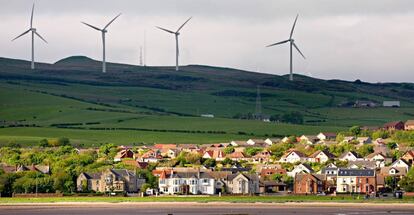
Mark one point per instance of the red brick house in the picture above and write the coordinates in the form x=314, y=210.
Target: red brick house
x=309, y=183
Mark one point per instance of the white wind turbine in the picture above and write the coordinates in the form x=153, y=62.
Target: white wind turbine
x=33, y=31
x=176, y=33
x=292, y=43
x=104, y=31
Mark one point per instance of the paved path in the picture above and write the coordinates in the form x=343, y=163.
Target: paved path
x=205, y=209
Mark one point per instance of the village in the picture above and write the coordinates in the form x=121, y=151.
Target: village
x=364, y=161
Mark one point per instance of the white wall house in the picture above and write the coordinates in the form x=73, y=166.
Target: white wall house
x=292, y=157
x=186, y=183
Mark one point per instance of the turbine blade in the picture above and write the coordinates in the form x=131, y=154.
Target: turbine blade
x=111, y=21
x=299, y=51
x=21, y=34
x=172, y=32
x=183, y=24
x=31, y=18
x=274, y=44
x=40, y=37
x=293, y=27
x=96, y=28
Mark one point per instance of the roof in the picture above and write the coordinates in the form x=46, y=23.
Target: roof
x=330, y=169
x=354, y=153
x=300, y=154
x=326, y=152
x=392, y=124
x=400, y=171
x=363, y=164
x=248, y=176
x=122, y=172
x=236, y=155
x=356, y=172
x=374, y=154
x=92, y=175
x=329, y=134
x=318, y=177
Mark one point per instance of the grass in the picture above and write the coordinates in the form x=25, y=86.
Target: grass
x=204, y=199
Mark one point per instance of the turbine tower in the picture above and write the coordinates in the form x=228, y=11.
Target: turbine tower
x=34, y=32
x=103, y=31
x=176, y=33
x=292, y=44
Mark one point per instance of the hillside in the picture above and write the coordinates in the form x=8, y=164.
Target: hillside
x=144, y=102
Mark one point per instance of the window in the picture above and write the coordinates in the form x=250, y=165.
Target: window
x=162, y=181
x=366, y=180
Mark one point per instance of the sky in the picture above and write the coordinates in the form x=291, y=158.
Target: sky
x=370, y=40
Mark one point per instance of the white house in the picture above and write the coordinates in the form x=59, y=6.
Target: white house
x=400, y=163
x=292, y=156
x=391, y=104
x=309, y=139
x=171, y=182
x=326, y=136
x=364, y=140
x=350, y=156
x=271, y=141
x=320, y=156
x=301, y=168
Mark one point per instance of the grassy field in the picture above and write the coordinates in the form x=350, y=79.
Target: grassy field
x=233, y=199
x=155, y=105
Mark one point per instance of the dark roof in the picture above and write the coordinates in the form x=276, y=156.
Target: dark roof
x=320, y=177
x=356, y=172
x=393, y=124
x=92, y=175
x=324, y=170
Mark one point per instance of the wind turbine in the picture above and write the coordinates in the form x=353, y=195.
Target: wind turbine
x=292, y=44
x=176, y=33
x=104, y=31
x=33, y=31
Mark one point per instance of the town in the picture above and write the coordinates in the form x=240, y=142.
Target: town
x=368, y=161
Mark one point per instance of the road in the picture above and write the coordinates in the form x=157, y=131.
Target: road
x=205, y=209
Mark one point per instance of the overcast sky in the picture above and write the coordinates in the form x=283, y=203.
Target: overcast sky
x=371, y=40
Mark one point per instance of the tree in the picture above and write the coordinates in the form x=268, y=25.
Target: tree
x=145, y=186
x=391, y=145
x=252, y=151
x=277, y=177
x=43, y=143
x=355, y=130
x=380, y=134
x=227, y=161
x=365, y=150
x=340, y=137
x=229, y=150
x=294, y=117
x=63, y=141
x=209, y=163
x=407, y=182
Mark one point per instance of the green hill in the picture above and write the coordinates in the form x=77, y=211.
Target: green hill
x=157, y=104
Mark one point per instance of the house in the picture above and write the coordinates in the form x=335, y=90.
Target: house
x=271, y=141
x=243, y=183
x=292, y=156
x=391, y=104
x=124, y=153
x=396, y=173
x=135, y=163
x=285, y=139
x=364, y=164
x=321, y=156
x=151, y=156
x=326, y=136
x=301, y=168
x=392, y=126
x=309, y=183
x=238, y=143
x=217, y=155
x=308, y=139
x=236, y=156
x=400, y=163
x=262, y=157
x=350, y=156
x=408, y=157
x=364, y=140
x=188, y=182
x=409, y=125
x=256, y=142
x=44, y=169
x=356, y=181
x=378, y=156
x=110, y=180
x=331, y=172
x=267, y=173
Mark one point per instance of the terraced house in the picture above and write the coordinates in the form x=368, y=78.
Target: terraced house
x=356, y=181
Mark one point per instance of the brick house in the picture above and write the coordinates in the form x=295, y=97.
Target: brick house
x=309, y=183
